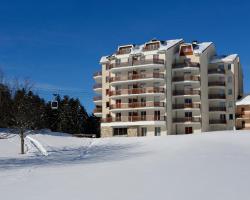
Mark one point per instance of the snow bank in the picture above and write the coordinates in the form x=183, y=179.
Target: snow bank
x=191, y=167
x=38, y=145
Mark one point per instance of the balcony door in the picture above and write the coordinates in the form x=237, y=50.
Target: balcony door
x=188, y=103
x=243, y=124
x=118, y=103
x=133, y=103
x=157, y=115
x=188, y=130
x=188, y=116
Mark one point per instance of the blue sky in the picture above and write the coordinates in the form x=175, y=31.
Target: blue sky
x=58, y=44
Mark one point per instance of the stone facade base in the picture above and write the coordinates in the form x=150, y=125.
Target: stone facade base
x=106, y=131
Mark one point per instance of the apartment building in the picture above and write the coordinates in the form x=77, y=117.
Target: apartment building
x=243, y=113
x=167, y=87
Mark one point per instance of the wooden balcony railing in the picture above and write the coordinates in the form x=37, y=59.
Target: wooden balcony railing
x=186, y=119
x=216, y=96
x=186, y=105
x=217, y=121
x=97, y=74
x=136, y=77
x=186, y=92
x=186, y=78
x=97, y=86
x=243, y=116
x=137, y=105
x=136, y=62
x=97, y=110
x=216, y=83
x=187, y=64
x=137, y=91
x=217, y=108
x=135, y=118
x=216, y=71
x=97, y=98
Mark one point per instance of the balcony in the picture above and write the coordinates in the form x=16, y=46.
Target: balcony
x=217, y=109
x=97, y=110
x=97, y=74
x=137, y=77
x=136, y=62
x=144, y=105
x=185, y=65
x=186, y=78
x=97, y=98
x=216, y=83
x=186, y=92
x=97, y=86
x=216, y=71
x=137, y=91
x=134, y=118
x=216, y=96
x=186, y=106
x=187, y=120
x=243, y=116
x=217, y=121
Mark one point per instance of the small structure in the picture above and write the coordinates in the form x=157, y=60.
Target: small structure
x=243, y=113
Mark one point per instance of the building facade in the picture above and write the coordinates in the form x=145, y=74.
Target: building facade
x=243, y=113
x=167, y=87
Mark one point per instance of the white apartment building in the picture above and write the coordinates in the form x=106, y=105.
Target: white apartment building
x=167, y=87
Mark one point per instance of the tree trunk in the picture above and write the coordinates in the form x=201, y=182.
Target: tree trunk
x=22, y=140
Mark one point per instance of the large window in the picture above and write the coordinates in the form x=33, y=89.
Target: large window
x=143, y=131
x=120, y=131
x=157, y=131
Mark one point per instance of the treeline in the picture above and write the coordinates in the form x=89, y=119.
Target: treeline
x=21, y=108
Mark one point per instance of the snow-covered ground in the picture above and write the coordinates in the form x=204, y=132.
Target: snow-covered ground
x=208, y=166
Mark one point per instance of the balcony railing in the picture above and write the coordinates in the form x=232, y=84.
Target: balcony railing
x=136, y=62
x=97, y=74
x=186, y=105
x=187, y=64
x=217, y=108
x=134, y=118
x=243, y=116
x=137, y=91
x=216, y=96
x=136, y=77
x=186, y=119
x=186, y=92
x=137, y=105
x=216, y=83
x=97, y=86
x=216, y=71
x=217, y=121
x=97, y=98
x=97, y=110
x=186, y=78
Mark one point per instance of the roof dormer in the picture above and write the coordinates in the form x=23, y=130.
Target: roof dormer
x=124, y=49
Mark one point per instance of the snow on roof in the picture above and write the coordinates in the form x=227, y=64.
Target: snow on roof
x=103, y=59
x=201, y=47
x=228, y=58
x=169, y=43
x=244, y=101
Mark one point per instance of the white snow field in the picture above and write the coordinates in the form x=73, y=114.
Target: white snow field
x=207, y=166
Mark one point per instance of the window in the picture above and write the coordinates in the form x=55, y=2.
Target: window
x=118, y=117
x=155, y=56
x=107, y=104
x=188, y=114
x=157, y=115
x=143, y=131
x=229, y=67
x=157, y=131
x=231, y=116
x=118, y=61
x=107, y=92
x=188, y=130
x=188, y=101
x=230, y=91
x=107, y=79
x=229, y=79
x=143, y=115
x=119, y=131
x=230, y=104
